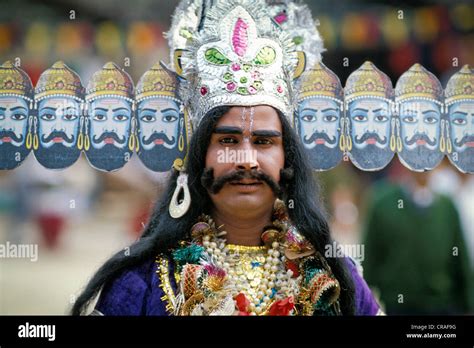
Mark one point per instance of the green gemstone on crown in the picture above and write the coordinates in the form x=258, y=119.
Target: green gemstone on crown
x=213, y=56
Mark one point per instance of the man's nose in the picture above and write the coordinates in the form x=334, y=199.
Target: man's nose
x=246, y=158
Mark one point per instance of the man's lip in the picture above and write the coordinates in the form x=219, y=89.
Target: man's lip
x=246, y=182
x=58, y=140
x=371, y=141
x=109, y=140
x=7, y=139
x=320, y=141
x=470, y=144
x=159, y=141
x=421, y=142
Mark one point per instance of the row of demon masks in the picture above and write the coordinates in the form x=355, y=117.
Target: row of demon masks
x=368, y=120
x=60, y=118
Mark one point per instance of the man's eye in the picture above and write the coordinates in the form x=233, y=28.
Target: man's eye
x=69, y=117
x=330, y=118
x=228, y=141
x=263, y=141
x=100, y=117
x=48, y=117
x=17, y=117
x=308, y=118
x=381, y=118
x=360, y=118
x=169, y=118
x=431, y=120
x=121, y=118
x=148, y=118
x=409, y=119
x=459, y=121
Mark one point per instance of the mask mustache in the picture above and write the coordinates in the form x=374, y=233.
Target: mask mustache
x=108, y=135
x=57, y=134
x=366, y=136
x=319, y=135
x=12, y=135
x=214, y=185
x=419, y=136
x=156, y=136
x=466, y=139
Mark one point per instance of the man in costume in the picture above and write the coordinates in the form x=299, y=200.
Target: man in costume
x=234, y=237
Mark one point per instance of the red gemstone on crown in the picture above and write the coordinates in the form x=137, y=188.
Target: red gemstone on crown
x=59, y=84
x=110, y=85
x=280, y=89
x=419, y=88
x=203, y=90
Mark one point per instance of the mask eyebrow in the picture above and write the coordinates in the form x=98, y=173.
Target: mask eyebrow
x=363, y=110
x=49, y=108
x=100, y=109
x=18, y=108
x=309, y=109
x=266, y=133
x=429, y=111
x=227, y=130
x=119, y=109
x=147, y=109
x=329, y=109
x=460, y=113
x=168, y=110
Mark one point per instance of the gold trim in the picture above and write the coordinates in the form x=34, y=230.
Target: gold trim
x=245, y=248
x=163, y=273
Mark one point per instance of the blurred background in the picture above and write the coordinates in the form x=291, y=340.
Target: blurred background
x=418, y=258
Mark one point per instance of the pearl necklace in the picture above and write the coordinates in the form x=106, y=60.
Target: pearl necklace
x=262, y=278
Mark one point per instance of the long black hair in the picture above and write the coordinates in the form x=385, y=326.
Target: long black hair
x=163, y=232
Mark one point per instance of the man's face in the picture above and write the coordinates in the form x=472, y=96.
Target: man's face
x=110, y=120
x=14, y=113
x=369, y=120
x=420, y=133
x=461, y=119
x=13, y=120
x=245, y=142
x=58, y=122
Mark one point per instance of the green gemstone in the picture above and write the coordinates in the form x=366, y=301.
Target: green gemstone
x=242, y=90
x=213, y=56
x=184, y=32
x=257, y=84
x=265, y=56
x=228, y=76
x=243, y=80
x=298, y=40
x=247, y=67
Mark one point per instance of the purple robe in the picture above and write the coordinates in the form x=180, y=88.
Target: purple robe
x=137, y=292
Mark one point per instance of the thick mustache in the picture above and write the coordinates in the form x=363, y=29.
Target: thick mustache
x=11, y=134
x=156, y=136
x=366, y=136
x=108, y=135
x=214, y=185
x=465, y=139
x=55, y=134
x=419, y=136
x=319, y=135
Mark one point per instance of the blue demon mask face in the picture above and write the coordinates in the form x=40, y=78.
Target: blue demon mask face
x=109, y=132
x=320, y=130
x=420, y=132
x=370, y=130
x=14, y=112
x=461, y=126
x=58, y=131
x=160, y=131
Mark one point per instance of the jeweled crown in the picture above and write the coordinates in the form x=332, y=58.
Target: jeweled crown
x=111, y=80
x=15, y=82
x=368, y=81
x=460, y=86
x=234, y=55
x=59, y=80
x=156, y=82
x=418, y=83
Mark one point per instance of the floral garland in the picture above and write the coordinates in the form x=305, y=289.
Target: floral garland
x=286, y=276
